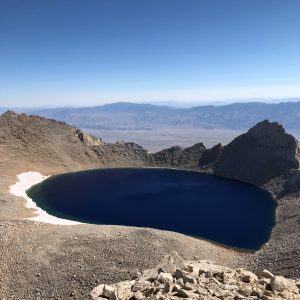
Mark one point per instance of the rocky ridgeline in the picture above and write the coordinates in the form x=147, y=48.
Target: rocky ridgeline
x=199, y=280
x=265, y=152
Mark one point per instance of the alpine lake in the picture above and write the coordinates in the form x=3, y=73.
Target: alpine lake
x=203, y=206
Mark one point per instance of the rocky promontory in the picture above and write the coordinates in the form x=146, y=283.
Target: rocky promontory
x=265, y=152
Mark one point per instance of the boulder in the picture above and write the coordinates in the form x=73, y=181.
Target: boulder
x=103, y=291
x=186, y=294
x=123, y=289
x=168, y=288
x=141, y=285
x=165, y=277
x=88, y=139
x=170, y=262
x=149, y=275
x=280, y=284
x=247, y=276
x=265, y=273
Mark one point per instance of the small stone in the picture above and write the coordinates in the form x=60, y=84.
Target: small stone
x=141, y=286
x=168, y=288
x=182, y=293
x=256, y=294
x=136, y=275
x=179, y=273
x=138, y=295
x=165, y=277
x=288, y=295
x=268, y=287
x=245, y=292
x=230, y=287
x=268, y=293
x=201, y=291
x=149, y=292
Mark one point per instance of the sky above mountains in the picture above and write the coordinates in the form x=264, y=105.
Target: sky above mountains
x=61, y=52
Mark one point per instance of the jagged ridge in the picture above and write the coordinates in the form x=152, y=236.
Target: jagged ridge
x=265, y=152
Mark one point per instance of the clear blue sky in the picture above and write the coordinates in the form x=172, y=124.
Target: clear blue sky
x=86, y=52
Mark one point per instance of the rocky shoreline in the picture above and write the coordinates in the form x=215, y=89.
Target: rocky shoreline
x=43, y=261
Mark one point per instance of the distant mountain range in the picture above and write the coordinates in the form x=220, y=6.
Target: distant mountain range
x=130, y=116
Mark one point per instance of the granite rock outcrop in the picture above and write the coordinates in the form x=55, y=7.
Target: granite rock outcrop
x=199, y=280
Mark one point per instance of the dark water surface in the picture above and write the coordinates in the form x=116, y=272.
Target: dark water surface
x=225, y=211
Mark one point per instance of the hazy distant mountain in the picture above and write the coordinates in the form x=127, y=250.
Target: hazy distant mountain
x=16, y=109
x=129, y=116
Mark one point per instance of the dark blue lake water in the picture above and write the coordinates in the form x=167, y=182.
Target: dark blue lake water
x=225, y=211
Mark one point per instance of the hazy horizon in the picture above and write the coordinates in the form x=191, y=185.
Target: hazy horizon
x=169, y=103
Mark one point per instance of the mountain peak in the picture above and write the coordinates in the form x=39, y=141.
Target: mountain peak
x=267, y=127
x=266, y=151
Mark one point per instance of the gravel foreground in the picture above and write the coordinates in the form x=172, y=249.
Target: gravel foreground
x=199, y=280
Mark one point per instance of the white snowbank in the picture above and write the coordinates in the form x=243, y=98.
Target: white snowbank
x=27, y=180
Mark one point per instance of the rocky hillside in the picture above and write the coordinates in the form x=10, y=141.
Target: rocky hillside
x=199, y=280
x=178, y=157
x=48, y=143
x=263, y=153
x=43, y=141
